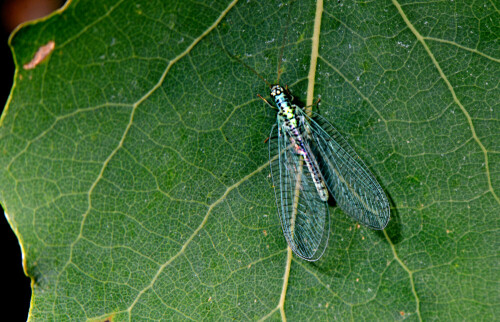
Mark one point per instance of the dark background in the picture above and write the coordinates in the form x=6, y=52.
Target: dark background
x=16, y=290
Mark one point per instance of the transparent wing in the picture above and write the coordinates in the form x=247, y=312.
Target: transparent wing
x=354, y=188
x=304, y=216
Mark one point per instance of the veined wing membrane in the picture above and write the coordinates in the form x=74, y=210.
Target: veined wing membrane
x=304, y=216
x=354, y=188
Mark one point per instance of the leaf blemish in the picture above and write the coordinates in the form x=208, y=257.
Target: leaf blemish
x=40, y=55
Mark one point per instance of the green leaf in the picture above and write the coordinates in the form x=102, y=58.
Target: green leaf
x=134, y=172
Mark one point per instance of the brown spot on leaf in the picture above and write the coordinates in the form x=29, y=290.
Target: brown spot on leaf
x=40, y=55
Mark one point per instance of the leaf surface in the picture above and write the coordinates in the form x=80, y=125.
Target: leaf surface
x=134, y=173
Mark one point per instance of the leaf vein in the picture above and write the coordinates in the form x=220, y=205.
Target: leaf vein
x=422, y=39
